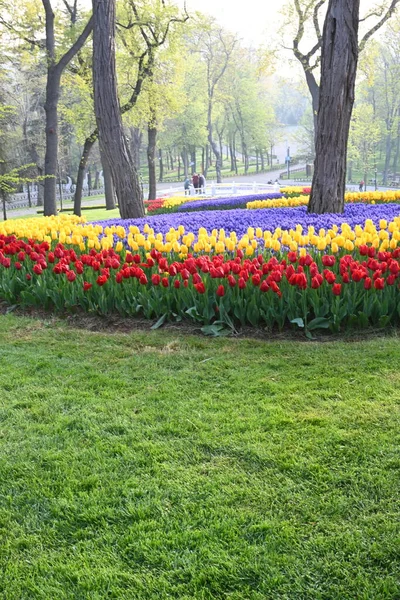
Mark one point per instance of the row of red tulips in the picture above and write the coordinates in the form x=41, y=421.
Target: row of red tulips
x=311, y=290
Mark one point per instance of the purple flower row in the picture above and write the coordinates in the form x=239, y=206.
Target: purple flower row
x=225, y=203
x=241, y=219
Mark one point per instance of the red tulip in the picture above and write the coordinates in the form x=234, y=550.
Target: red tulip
x=155, y=279
x=220, y=291
x=86, y=286
x=336, y=289
x=71, y=276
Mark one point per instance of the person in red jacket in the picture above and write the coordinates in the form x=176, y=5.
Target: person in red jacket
x=195, y=181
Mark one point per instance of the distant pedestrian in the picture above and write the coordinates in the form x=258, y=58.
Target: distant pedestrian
x=186, y=186
x=361, y=186
x=195, y=181
x=202, y=184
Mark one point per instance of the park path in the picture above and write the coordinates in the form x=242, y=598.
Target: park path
x=253, y=178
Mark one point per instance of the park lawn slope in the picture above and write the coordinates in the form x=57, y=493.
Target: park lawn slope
x=157, y=465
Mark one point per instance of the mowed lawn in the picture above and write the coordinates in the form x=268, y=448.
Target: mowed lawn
x=154, y=465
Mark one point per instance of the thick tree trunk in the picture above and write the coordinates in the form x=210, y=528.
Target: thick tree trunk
x=151, y=161
x=179, y=167
x=207, y=165
x=257, y=168
x=171, y=159
x=202, y=160
x=339, y=58
x=51, y=156
x=109, y=189
x=108, y=116
x=262, y=161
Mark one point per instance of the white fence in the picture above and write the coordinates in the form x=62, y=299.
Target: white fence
x=223, y=189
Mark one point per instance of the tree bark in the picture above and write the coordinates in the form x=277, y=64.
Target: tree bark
x=136, y=143
x=338, y=74
x=161, y=164
x=109, y=189
x=108, y=114
x=151, y=160
x=88, y=145
x=51, y=156
x=193, y=159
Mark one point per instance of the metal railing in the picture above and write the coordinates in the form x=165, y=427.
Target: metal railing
x=222, y=189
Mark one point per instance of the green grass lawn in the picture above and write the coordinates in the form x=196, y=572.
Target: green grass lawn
x=154, y=465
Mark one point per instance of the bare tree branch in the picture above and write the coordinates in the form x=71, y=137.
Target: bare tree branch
x=383, y=20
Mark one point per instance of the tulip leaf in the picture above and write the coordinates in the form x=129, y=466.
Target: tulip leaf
x=318, y=323
x=216, y=330
x=160, y=322
x=299, y=321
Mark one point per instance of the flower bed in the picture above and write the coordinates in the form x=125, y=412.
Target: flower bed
x=314, y=271
x=302, y=200
x=309, y=290
x=226, y=203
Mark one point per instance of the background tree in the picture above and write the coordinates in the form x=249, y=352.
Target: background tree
x=108, y=115
x=308, y=15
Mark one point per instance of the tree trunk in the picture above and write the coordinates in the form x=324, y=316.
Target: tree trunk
x=202, y=160
x=88, y=145
x=397, y=153
x=136, y=143
x=339, y=58
x=193, y=159
x=207, y=165
x=350, y=172
x=160, y=160
x=387, y=157
x=54, y=72
x=28, y=189
x=108, y=115
x=232, y=156
x=96, y=178
x=256, y=161
x=262, y=160
x=214, y=146
x=185, y=162
x=171, y=159
x=151, y=161
x=109, y=189
x=179, y=167
x=51, y=156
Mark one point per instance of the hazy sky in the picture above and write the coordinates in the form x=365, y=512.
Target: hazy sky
x=254, y=20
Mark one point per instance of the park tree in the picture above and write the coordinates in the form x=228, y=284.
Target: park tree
x=365, y=134
x=143, y=28
x=215, y=46
x=339, y=57
x=307, y=15
x=54, y=39
x=108, y=115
